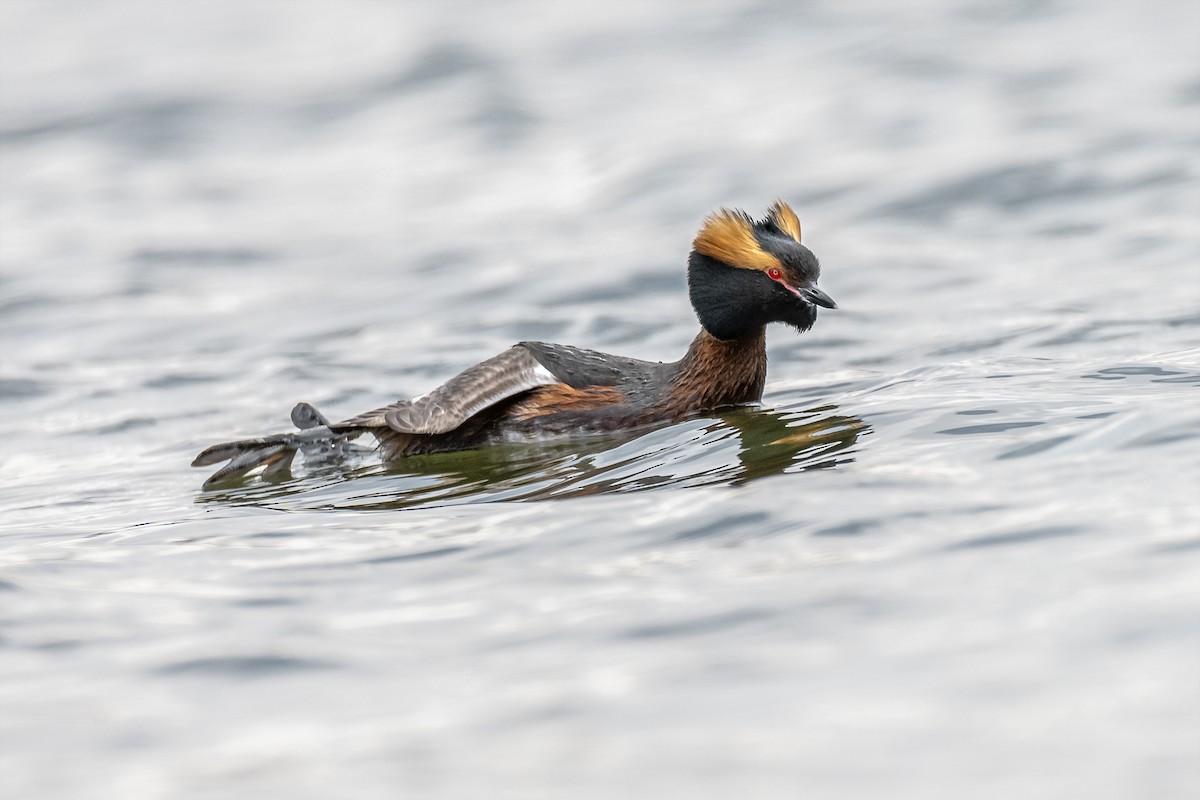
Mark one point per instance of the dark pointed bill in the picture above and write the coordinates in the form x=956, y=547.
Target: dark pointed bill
x=815, y=296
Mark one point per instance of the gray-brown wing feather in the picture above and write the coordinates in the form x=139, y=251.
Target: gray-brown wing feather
x=447, y=407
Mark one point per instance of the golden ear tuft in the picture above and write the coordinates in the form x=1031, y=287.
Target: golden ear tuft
x=728, y=236
x=785, y=219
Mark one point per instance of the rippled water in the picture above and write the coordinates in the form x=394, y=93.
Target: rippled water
x=955, y=553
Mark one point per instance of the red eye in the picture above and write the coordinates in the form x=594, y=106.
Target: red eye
x=774, y=273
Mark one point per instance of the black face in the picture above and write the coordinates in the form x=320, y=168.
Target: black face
x=732, y=302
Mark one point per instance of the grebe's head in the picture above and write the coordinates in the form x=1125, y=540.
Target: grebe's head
x=743, y=274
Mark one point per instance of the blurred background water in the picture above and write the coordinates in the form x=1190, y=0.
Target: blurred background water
x=955, y=554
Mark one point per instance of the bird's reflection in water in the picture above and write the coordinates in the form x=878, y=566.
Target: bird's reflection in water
x=734, y=447
x=773, y=443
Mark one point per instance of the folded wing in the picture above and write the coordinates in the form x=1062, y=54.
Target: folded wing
x=447, y=407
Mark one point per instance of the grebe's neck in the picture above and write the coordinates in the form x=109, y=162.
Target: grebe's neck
x=720, y=372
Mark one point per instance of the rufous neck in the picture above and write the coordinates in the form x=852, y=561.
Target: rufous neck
x=721, y=372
